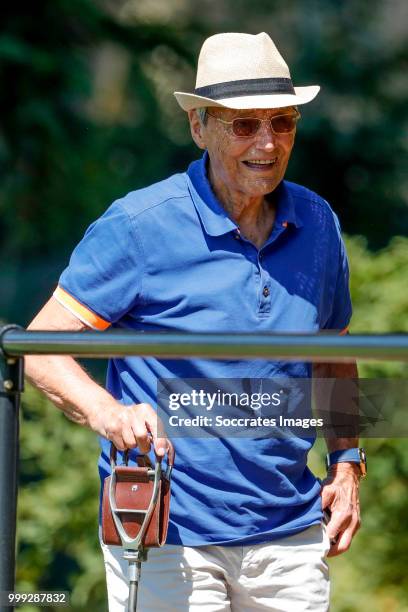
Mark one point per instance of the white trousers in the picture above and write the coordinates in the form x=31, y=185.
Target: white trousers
x=286, y=575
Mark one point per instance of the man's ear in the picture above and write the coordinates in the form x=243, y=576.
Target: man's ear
x=197, y=129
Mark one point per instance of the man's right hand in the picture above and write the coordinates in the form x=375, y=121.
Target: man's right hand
x=84, y=401
x=131, y=426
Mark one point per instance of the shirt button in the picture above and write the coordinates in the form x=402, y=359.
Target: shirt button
x=237, y=236
x=266, y=291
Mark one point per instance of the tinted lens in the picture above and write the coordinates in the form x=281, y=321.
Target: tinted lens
x=283, y=124
x=246, y=127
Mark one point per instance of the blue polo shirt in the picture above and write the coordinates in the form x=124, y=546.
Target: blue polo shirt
x=168, y=258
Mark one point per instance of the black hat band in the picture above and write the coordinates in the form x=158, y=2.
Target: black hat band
x=246, y=87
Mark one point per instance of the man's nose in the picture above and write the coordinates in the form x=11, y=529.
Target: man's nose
x=266, y=138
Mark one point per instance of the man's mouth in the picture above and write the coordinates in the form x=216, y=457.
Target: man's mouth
x=260, y=164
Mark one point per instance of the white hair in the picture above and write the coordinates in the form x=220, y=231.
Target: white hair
x=202, y=114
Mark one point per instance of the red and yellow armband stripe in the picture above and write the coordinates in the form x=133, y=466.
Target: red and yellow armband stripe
x=79, y=310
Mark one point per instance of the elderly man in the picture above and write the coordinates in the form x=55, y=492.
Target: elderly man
x=228, y=246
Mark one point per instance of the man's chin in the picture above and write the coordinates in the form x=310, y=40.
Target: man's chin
x=261, y=187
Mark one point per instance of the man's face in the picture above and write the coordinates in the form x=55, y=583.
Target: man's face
x=233, y=159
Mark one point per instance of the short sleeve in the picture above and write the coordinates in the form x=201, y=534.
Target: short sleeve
x=341, y=307
x=103, y=279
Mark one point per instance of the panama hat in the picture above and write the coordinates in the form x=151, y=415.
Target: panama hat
x=243, y=71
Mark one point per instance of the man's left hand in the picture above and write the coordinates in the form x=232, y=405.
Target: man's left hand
x=340, y=496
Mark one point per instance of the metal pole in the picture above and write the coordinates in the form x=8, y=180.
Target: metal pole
x=306, y=347
x=11, y=385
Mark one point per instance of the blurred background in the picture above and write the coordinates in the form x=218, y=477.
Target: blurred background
x=87, y=114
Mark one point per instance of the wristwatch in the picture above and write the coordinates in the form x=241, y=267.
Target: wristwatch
x=350, y=455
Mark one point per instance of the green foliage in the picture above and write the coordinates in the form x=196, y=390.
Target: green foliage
x=377, y=284
x=380, y=298
x=63, y=156
x=88, y=115
x=58, y=506
x=372, y=575
x=88, y=112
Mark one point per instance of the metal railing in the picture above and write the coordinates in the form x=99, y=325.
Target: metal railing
x=15, y=343
x=316, y=347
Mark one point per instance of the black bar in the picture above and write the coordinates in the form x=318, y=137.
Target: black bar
x=11, y=380
x=246, y=87
x=307, y=347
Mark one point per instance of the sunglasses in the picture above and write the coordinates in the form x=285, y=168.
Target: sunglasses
x=246, y=127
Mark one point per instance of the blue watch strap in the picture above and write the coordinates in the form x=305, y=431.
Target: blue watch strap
x=348, y=454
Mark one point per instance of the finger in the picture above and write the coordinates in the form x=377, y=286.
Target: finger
x=161, y=446
x=143, y=440
x=338, y=523
x=328, y=494
x=342, y=544
x=160, y=440
x=135, y=431
x=355, y=524
x=141, y=434
x=123, y=430
x=117, y=441
x=129, y=438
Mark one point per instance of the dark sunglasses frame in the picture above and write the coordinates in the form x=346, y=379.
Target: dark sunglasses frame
x=258, y=122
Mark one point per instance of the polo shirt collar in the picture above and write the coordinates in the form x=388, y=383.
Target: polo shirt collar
x=213, y=216
x=286, y=206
